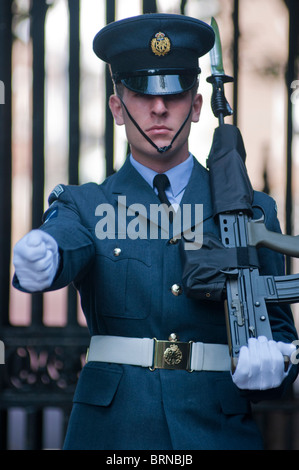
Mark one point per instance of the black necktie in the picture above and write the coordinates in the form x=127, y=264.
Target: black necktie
x=161, y=182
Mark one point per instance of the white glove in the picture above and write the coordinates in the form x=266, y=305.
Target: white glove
x=261, y=364
x=36, y=260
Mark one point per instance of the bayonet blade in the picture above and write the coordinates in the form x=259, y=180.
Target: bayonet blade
x=216, y=52
x=220, y=106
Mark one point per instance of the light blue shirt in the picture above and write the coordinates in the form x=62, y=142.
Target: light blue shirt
x=178, y=177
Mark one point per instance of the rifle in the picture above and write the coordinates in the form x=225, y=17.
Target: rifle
x=235, y=274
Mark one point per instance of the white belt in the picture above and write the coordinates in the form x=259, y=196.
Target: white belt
x=154, y=353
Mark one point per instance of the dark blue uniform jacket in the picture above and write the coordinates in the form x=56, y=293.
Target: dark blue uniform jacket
x=130, y=407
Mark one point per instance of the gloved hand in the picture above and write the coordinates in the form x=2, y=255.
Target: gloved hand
x=36, y=260
x=261, y=364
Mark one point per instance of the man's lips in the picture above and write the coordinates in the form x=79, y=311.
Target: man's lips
x=157, y=130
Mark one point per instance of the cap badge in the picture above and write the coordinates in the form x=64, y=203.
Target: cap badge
x=160, y=44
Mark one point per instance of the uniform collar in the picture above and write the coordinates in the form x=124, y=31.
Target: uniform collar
x=178, y=176
x=129, y=182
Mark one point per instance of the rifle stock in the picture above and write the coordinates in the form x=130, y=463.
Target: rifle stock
x=259, y=235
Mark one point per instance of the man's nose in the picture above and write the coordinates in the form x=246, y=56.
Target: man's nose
x=159, y=105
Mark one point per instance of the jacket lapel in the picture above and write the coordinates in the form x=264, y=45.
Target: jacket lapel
x=129, y=183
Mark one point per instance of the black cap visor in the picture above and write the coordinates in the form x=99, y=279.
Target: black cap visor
x=160, y=84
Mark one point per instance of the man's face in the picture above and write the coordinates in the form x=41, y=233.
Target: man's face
x=160, y=117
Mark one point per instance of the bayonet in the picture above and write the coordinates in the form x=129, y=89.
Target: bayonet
x=216, y=52
x=220, y=105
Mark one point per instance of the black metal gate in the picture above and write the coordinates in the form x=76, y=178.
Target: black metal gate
x=42, y=362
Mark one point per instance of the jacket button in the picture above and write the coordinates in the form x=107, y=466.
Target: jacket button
x=173, y=337
x=117, y=251
x=173, y=241
x=176, y=289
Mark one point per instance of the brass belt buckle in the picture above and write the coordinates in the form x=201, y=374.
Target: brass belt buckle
x=172, y=354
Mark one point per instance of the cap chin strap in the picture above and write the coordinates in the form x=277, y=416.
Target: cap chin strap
x=159, y=149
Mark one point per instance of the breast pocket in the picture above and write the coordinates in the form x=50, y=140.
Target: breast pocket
x=124, y=287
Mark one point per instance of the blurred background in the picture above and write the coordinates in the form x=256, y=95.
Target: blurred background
x=56, y=128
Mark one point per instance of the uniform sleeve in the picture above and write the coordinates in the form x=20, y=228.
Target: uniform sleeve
x=76, y=247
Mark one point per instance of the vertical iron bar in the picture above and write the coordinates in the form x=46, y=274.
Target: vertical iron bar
x=74, y=90
x=236, y=60
x=38, y=16
x=5, y=183
x=3, y=429
x=149, y=6
x=74, y=123
x=183, y=6
x=5, y=158
x=34, y=429
x=109, y=124
x=290, y=76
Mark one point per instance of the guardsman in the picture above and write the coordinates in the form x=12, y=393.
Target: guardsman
x=158, y=373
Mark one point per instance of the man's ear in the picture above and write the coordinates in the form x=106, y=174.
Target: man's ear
x=196, y=107
x=116, y=109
